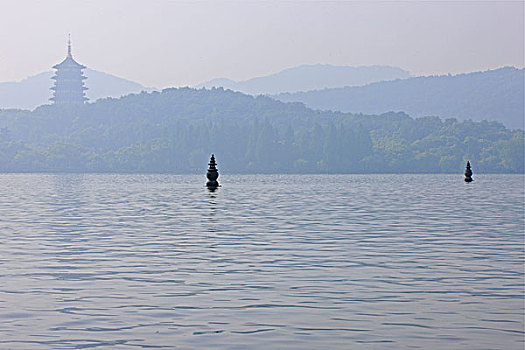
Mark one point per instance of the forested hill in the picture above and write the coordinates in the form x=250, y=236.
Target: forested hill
x=492, y=95
x=176, y=130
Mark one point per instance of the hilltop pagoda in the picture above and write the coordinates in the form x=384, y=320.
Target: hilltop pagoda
x=69, y=85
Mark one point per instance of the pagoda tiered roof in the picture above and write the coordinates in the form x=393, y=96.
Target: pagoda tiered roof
x=69, y=62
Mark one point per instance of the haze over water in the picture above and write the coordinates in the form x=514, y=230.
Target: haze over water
x=265, y=262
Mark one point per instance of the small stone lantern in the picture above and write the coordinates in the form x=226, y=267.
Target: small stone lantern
x=212, y=174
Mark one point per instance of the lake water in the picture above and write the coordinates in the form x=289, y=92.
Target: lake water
x=265, y=262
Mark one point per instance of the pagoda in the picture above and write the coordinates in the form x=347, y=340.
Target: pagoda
x=468, y=173
x=69, y=86
x=212, y=174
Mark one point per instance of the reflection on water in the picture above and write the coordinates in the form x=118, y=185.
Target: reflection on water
x=343, y=261
x=212, y=211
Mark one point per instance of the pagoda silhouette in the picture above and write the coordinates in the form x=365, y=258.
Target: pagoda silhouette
x=69, y=85
x=212, y=174
x=468, y=173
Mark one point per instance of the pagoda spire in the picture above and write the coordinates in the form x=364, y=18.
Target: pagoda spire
x=69, y=46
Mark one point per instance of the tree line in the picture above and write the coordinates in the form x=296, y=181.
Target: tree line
x=176, y=130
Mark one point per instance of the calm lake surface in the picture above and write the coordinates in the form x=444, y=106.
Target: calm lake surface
x=265, y=262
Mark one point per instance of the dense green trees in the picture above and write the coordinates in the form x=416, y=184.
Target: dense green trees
x=176, y=131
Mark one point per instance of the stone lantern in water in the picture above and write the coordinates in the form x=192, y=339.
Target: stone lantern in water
x=212, y=174
x=468, y=173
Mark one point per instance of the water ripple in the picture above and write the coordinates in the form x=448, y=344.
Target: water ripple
x=285, y=262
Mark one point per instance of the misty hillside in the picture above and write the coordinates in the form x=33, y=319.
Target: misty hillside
x=35, y=91
x=176, y=130
x=491, y=95
x=310, y=77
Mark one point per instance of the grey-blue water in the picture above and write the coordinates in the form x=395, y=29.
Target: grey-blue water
x=265, y=262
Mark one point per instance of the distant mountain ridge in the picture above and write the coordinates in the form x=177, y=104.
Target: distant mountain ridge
x=35, y=90
x=490, y=95
x=310, y=77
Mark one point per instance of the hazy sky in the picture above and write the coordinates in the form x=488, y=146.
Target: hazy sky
x=165, y=43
